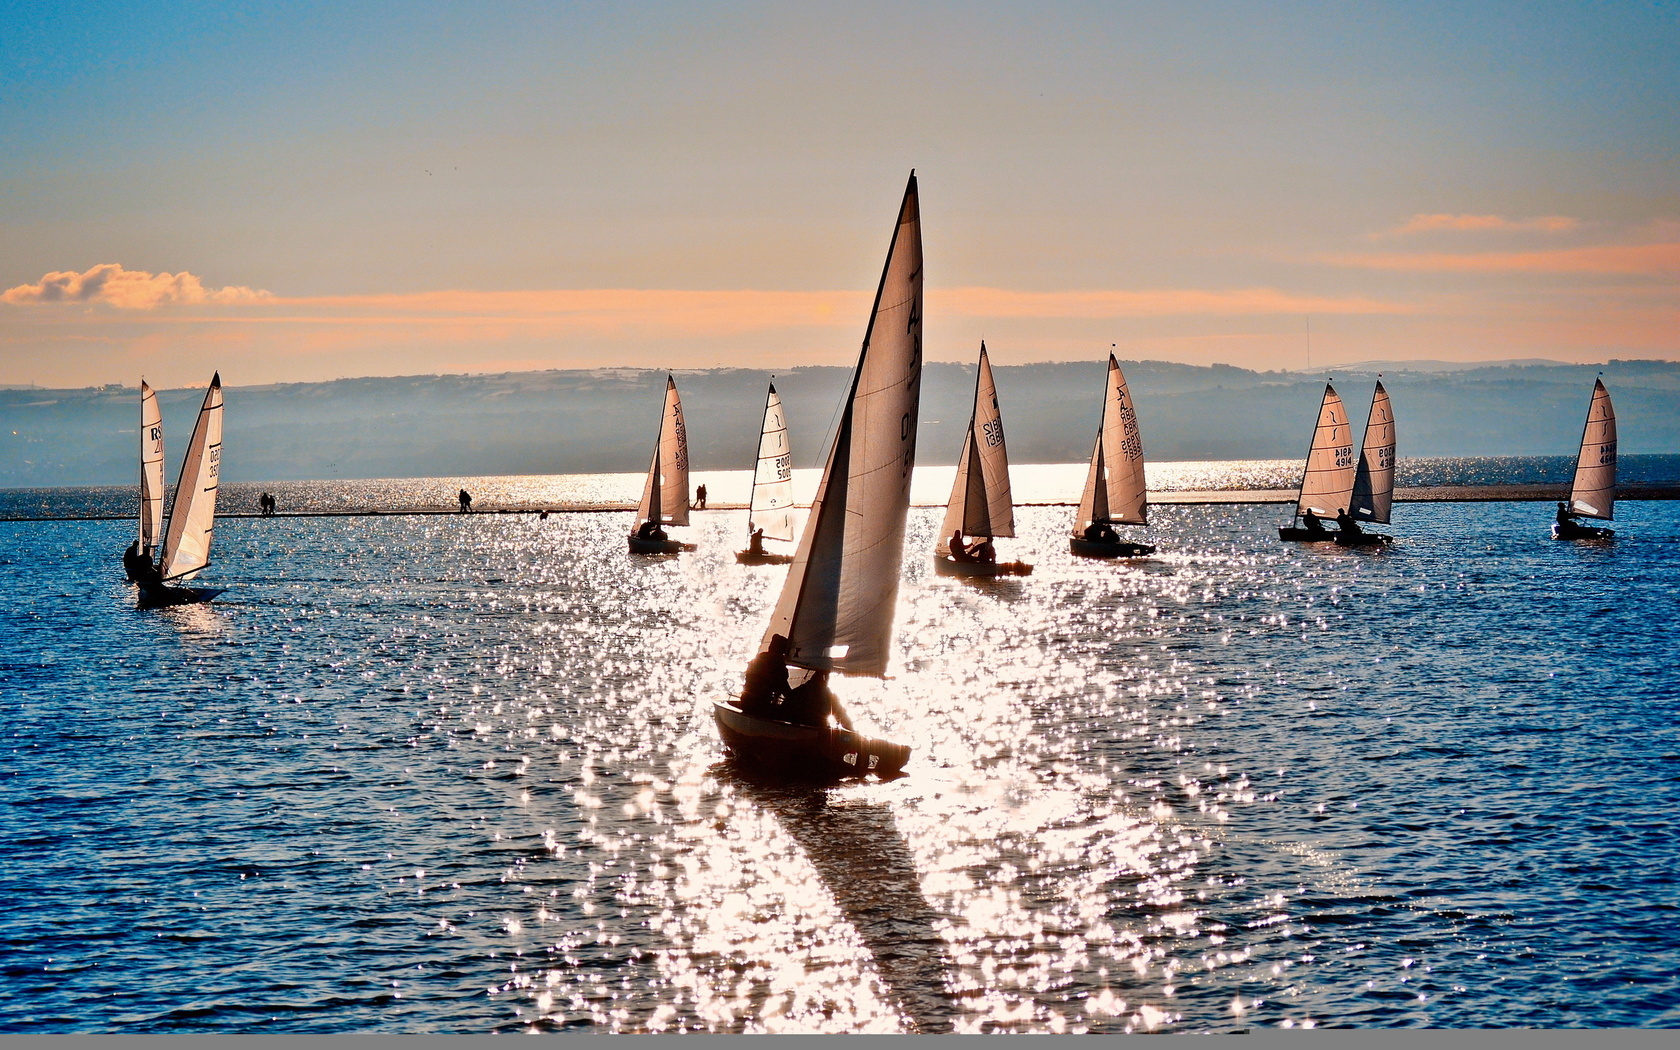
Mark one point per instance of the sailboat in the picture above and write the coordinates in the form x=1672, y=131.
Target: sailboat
x=192, y=517
x=665, y=496
x=980, y=503
x=1327, y=484
x=1373, y=479
x=1114, y=487
x=836, y=607
x=1593, y=494
x=137, y=560
x=770, y=513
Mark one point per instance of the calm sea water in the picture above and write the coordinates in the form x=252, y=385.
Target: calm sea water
x=1032, y=483
x=456, y=774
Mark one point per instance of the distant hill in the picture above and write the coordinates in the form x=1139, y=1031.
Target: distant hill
x=599, y=420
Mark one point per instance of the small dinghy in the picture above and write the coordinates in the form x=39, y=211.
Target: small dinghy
x=796, y=752
x=770, y=513
x=665, y=495
x=137, y=560
x=836, y=607
x=1373, y=479
x=1327, y=483
x=981, y=506
x=1115, y=493
x=192, y=517
x=1593, y=493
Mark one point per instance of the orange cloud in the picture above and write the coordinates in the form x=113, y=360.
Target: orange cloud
x=1426, y=223
x=1647, y=260
x=109, y=283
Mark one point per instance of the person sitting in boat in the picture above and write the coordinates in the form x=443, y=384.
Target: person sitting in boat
x=650, y=530
x=137, y=563
x=1566, y=517
x=755, y=542
x=983, y=552
x=1101, y=532
x=959, y=550
x=813, y=703
x=1313, y=523
x=766, y=686
x=141, y=568
x=1345, y=522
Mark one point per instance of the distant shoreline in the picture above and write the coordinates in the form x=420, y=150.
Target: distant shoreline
x=1435, y=494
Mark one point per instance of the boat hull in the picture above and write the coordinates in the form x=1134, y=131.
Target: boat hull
x=763, y=558
x=1097, y=549
x=641, y=546
x=1581, y=532
x=793, y=752
x=1364, y=539
x=1297, y=534
x=946, y=566
x=158, y=596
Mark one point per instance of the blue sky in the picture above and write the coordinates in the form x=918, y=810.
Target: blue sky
x=299, y=191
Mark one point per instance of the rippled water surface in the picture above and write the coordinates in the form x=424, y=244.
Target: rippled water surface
x=457, y=774
x=931, y=486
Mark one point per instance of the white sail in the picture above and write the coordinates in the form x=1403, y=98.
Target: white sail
x=1115, y=492
x=192, y=518
x=1594, y=493
x=981, y=503
x=665, y=496
x=836, y=607
x=771, y=508
x=1373, y=481
x=151, y=469
x=1327, y=486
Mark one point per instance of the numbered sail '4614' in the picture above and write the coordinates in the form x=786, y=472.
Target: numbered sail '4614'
x=1333, y=472
x=835, y=612
x=981, y=506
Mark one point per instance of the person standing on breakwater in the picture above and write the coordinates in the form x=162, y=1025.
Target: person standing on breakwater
x=700, y=498
x=466, y=501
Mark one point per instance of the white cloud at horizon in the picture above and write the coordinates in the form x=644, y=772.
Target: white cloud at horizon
x=113, y=285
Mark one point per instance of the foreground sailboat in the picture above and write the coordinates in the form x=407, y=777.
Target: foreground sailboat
x=1114, y=487
x=192, y=517
x=980, y=505
x=665, y=496
x=770, y=513
x=1593, y=494
x=1327, y=484
x=836, y=607
x=1373, y=479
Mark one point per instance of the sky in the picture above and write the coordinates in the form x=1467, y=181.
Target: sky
x=299, y=191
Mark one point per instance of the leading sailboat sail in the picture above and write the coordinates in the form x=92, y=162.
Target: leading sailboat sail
x=1327, y=486
x=772, y=496
x=1594, y=493
x=192, y=518
x=1115, y=492
x=981, y=503
x=836, y=608
x=665, y=496
x=151, y=469
x=1373, y=481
